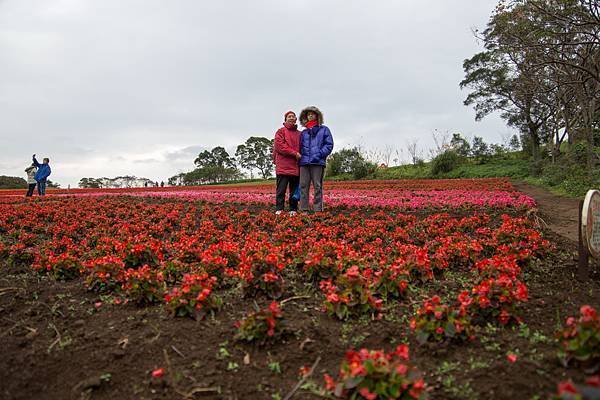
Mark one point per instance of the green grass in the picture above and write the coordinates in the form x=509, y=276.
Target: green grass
x=403, y=172
x=512, y=168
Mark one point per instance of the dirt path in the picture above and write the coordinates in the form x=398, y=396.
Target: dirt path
x=560, y=213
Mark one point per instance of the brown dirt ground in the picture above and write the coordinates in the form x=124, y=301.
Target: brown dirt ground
x=561, y=214
x=56, y=344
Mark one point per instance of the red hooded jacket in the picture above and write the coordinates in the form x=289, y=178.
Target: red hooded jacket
x=287, y=144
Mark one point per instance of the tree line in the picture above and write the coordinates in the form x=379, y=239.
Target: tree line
x=217, y=165
x=540, y=69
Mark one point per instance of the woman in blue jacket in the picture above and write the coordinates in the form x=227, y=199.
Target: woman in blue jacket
x=42, y=174
x=316, y=143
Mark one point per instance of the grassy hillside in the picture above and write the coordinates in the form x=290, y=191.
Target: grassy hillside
x=513, y=168
x=566, y=176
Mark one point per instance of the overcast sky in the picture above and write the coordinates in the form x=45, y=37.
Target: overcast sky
x=114, y=87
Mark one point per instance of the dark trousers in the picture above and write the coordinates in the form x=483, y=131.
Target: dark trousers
x=30, y=190
x=283, y=182
x=41, y=187
x=311, y=174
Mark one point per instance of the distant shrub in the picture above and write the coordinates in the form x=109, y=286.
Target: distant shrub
x=362, y=169
x=12, y=182
x=445, y=162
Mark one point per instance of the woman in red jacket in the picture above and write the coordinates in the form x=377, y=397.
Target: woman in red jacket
x=286, y=150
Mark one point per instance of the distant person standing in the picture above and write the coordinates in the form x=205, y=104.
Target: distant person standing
x=42, y=174
x=31, y=170
x=286, y=153
x=316, y=143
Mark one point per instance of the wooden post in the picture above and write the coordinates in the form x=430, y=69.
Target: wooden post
x=582, y=267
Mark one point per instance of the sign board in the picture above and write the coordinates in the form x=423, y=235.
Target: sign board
x=590, y=222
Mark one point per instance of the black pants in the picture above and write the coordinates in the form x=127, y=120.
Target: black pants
x=30, y=190
x=283, y=182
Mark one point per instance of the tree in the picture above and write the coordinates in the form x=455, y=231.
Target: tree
x=386, y=154
x=349, y=161
x=460, y=145
x=213, y=166
x=515, y=143
x=547, y=53
x=90, y=183
x=496, y=150
x=479, y=150
x=257, y=153
x=444, y=162
x=497, y=86
x=52, y=185
x=440, y=141
x=210, y=174
x=218, y=156
x=563, y=39
x=127, y=181
x=177, y=180
x=413, y=151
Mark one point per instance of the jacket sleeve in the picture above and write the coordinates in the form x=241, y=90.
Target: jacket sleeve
x=327, y=146
x=37, y=164
x=281, y=145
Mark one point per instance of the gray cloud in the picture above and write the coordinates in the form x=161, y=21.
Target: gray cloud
x=106, y=88
x=186, y=154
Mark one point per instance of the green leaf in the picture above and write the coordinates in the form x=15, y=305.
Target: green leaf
x=450, y=330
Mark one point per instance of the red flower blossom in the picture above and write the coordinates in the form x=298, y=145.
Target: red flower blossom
x=567, y=387
x=364, y=392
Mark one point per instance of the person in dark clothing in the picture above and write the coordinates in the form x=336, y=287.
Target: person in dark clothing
x=316, y=143
x=42, y=174
x=286, y=153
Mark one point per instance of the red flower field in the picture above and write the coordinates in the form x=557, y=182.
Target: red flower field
x=103, y=288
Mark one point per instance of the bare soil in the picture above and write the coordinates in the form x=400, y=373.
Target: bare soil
x=561, y=214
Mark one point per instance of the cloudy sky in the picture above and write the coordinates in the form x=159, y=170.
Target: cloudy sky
x=114, y=87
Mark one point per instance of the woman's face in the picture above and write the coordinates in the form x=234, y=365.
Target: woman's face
x=311, y=116
x=291, y=118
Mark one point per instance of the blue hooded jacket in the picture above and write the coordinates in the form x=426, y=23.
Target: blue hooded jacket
x=43, y=171
x=315, y=145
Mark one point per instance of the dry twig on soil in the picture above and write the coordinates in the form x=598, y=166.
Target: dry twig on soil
x=293, y=298
x=57, y=340
x=304, y=378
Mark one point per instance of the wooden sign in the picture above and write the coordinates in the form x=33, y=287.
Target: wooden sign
x=590, y=222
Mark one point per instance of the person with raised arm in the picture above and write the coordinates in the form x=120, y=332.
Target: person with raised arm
x=42, y=174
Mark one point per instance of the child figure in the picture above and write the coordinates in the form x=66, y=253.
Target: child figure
x=31, y=170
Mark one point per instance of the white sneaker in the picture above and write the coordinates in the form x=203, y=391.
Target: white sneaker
x=278, y=212
x=292, y=213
